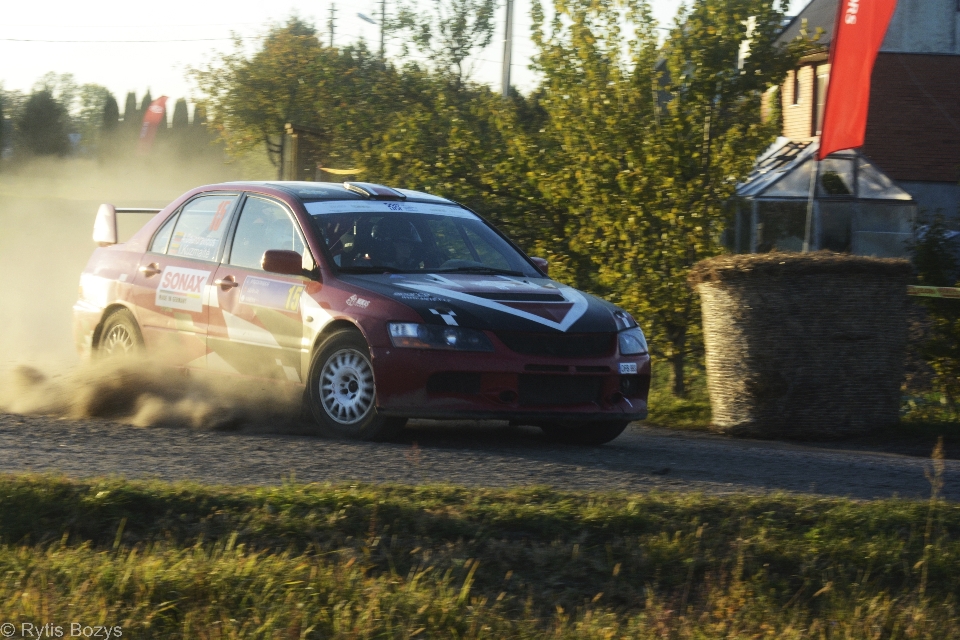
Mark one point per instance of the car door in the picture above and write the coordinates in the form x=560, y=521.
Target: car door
x=172, y=286
x=256, y=327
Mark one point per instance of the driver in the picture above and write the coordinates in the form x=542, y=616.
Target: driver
x=398, y=244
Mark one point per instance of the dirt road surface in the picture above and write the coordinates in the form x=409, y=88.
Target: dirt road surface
x=472, y=454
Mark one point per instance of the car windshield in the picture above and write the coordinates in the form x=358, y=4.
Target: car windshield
x=447, y=239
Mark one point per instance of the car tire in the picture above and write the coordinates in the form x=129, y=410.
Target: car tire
x=342, y=393
x=584, y=433
x=120, y=336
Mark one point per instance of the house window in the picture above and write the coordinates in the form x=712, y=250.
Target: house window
x=819, y=97
x=796, y=84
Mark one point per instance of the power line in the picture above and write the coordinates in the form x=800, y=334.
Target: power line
x=132, y=41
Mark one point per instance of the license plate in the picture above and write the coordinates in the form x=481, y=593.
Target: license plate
x=628, y=367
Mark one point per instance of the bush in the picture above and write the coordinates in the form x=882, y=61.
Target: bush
x=935, y=258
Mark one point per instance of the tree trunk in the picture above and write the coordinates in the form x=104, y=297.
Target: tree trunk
x=678, y=342
x=679, y=382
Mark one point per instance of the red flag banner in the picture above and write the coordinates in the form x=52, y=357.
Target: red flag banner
x=860, y=28
x=156, y=112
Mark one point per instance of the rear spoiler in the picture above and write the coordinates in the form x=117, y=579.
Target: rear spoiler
x=105, y=226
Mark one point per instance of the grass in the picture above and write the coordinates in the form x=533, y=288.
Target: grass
x=310, y=561
x=666, y=410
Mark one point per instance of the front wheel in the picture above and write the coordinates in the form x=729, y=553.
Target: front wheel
x=342, y=393
x=584, y=433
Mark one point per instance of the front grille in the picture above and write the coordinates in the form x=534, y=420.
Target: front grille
x=559, y=345
x=545, y=390
x=554, y=368
x=600, y=369
x=454, y=382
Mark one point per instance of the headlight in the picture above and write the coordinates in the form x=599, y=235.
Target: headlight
x=632, y=342
x=428, y=336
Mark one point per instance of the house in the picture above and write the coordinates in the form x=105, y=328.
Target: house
x=913, y=127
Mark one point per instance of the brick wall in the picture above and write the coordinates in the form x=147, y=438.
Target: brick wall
x=913, y=130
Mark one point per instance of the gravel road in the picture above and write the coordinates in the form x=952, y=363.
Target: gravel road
x=473, y=454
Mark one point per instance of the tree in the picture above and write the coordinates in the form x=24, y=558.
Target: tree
x=252, y=99
x=88, y=119
x=342, y=96
x=111, y=115
x=3, y=122
x=42, y=125
x=645, y=143
x=181, y=118
x=449, y=32
x=131, y=117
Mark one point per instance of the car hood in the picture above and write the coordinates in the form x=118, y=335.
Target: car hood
x=495, y=303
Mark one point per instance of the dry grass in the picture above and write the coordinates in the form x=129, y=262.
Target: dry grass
x=312, y=561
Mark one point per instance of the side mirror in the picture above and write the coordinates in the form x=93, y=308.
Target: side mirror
x=288, y=263
x=541, y=264
x=105, y=225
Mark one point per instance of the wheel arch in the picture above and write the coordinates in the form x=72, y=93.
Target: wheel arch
x=331, y=328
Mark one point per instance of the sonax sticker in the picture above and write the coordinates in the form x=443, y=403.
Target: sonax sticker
x=181, y=289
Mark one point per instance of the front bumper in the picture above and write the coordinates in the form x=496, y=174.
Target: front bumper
x=505, y=385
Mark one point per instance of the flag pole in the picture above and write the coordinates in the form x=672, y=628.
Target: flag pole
x=808, y=231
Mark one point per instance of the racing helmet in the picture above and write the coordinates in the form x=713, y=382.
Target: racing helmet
x=390, y=229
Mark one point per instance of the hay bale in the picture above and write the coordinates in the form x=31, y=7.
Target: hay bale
x=803, y=345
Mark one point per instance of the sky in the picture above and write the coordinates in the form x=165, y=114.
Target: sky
x=132, y=45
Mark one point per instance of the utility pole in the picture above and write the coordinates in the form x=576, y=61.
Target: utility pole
x=330, y=22
x=383, y=25
x=507, y=50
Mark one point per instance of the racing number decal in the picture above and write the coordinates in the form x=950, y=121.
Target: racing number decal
x=272, y=294
x=221, y=212
x=293, y=298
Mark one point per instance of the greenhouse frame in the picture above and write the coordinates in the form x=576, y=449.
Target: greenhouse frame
x=856, y=208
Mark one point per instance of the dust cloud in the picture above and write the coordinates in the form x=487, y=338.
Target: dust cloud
x=47, y=208
x=143, y=393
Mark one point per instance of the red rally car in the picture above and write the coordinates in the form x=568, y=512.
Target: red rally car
x=387, y=304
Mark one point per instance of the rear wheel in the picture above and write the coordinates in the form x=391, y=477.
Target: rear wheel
x=342, y=392
x=584, y=433
x=120, y=336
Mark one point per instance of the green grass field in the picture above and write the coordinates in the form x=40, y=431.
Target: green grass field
x=310, y=561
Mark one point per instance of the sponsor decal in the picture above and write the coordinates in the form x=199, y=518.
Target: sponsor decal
x=272, y=294
x=352, y=206
x=423, y=297
x=449, y=317
x=853, y=7
x=354, y=301
x=628, y=367
x=194, y=246
x=181, y=289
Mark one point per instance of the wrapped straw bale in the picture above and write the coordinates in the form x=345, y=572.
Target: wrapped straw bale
x=803, y=345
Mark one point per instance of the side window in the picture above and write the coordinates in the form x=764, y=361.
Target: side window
x=201, y=226
x=263, y=225
x=160, y=241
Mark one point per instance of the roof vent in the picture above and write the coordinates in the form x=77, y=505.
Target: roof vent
x=374, y=191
